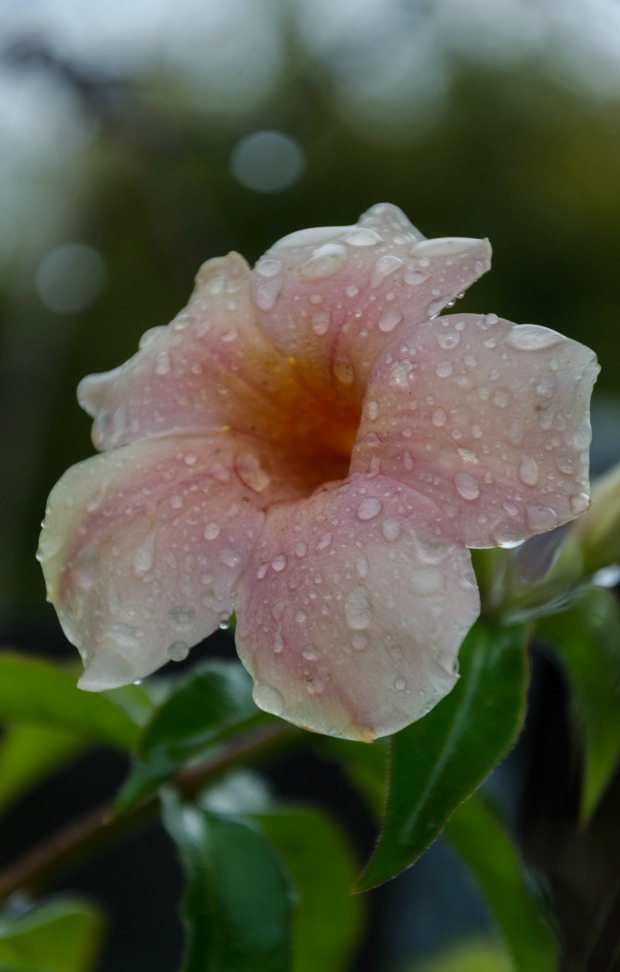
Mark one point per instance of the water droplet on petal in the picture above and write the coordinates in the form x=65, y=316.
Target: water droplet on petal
x=211, y=531
x=447, y=246
x=219, y=472
x=268, y=699
x=400, y=684
x=508, y=536
x=361, y=566
x=532, y=337
x=343, y=370
x=582, y=437
x=279, y=562
x=326, y=261
x=448, y=340
x=579, y=503
x=125, y=634
x=528, y=471
x=178, y=651
x=359, y=236
x=467, y=486
x=540, y=518
x=384, y=266
x=310, y=652
x=149, y=336
x=391, y=529
x=415, y=277
x=357, y=609
x=182, y=616
x=369, y=508
x=162, y=363
x=389, y=320
x=268, y=293
x=268, y=267
x=229, y=557
x=317, y=682
x=444, y=369
x=144, y=556
x=359, y=641
x=251, y=473
x=319, y=322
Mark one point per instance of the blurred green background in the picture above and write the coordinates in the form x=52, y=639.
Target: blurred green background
x=140, y=137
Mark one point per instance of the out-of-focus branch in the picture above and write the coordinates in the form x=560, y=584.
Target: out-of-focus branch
x=98, y=829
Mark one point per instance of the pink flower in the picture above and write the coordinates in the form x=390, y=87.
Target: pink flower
x=311, y=444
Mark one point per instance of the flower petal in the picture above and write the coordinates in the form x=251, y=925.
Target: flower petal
x=488, y=418
x=351, y=613
x=142, y=547
x=211, y=367
x=333, y=298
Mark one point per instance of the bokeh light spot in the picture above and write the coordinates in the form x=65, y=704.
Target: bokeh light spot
x=70, y=278
x=267, y=161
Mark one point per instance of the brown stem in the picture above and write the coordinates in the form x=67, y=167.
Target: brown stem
x=98, y=828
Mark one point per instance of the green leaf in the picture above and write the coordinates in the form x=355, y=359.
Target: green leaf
x=472, y=956
x=135, y=700
x=485, y=845
x=35, y=691
x=17, y=968
x=437, y=762
x=28, y=754
x=213, y=701
x=61, y=935
x=586, y=639
x=327, y=915
x=237, y=907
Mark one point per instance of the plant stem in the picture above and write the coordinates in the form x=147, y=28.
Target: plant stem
x=99, y=828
